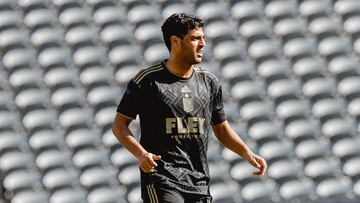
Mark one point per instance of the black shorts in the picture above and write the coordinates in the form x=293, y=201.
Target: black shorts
x=153, y=193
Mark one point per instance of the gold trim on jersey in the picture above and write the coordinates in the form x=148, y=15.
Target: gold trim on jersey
x=138, y=77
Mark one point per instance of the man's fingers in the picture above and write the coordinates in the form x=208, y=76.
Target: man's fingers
x=156, y=157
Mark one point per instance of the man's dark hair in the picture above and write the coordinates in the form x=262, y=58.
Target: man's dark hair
x=179, y=24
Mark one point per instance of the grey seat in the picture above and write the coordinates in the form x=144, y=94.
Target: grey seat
x=351, y=168
x=78, y=37
x=258, y=191
x=46, y=139
x=302, y=129
x=11, y=161
x=104, y=95
x=292, y=110
x=40, y=18
x=219, y=171
x=253, y=30
x=247, y=91
x=30, y=197
x=124, y=54
x=242, y=11
x=319, y=88
x=334, y=46
x=9, y=120
x=47, y=37
x=226, y=191
x=75, y=117
x=324, y=27
x=109, y=15
x=347, y=148
x=94, y=76
x=219, y=29
x=68, y=97
x=265, y=131
x=7, y=100
x=284, y=170
x=60, y=178
x=130, y=175
x=17, y=58
x=143, y=13
x=12, y=141
x=25, y=79
x=39, y=118
x=75, y=16
x=334, y=187
x=274, y=69
x=349, y=87
x=54, y=56
x=121, y=158
x=148, y=32
x=90, y=157
x=298, y=48
x=261, y=50
x=256, y=111
x=322, y=168
x=228, y=49
x=104, y=117
x=211, y=10
x=351, y=26
x=346, y=9
x=32, y=98
x=290, y=28
x=69, y=195
x=343, y=66
x=107, y=194
x=30, y=5
x=82, y=138
x=133, y=195
x=242, y=173
x=10, y=19
x=125, y=73
x=353, y=108
x=283, y=90
x=237, y=70
x=111, y=142
x=277, y=10
x=276, y=150
x=299, y=188
x=7, y=4
x=53, y=158
x=311, y=149
x=96, y=177
x=338, y=128
x=90, y=55
x=356, y=46
x=326, y=109
x=155, y=53
x=13, y=38
x=313, y=9
x=114, y=35
x=308, y=68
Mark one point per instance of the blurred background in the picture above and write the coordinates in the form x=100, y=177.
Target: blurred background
x=291, y=84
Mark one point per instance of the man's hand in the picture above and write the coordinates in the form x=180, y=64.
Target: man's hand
x=147, y=162
x=258, y=162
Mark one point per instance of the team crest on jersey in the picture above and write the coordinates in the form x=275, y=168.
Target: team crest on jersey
x=187, y=100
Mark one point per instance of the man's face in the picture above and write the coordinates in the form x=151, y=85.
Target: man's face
x=192, y=46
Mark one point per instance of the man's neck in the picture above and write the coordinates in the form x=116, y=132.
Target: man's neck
x=179, y=68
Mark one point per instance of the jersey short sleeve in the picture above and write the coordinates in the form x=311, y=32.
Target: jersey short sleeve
x=218, y=113
x=130, y=102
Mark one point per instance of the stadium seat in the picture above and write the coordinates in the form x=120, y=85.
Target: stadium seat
x=353, y=109
x=274, y=69
x=338, y=128
x=212, y=9
x=302, y=129
x=155, y=53
x=237, y=70
x=109, y=15
x=351, y=27
x=310, y=149
x=68, y=97
x=53, y=158
x=309, y=68
x=349, y=87
x=81, y=138
x=219, y=171
x=12, y=141
x=32, y=5
x=228, y=50
x=253, y=30
x=143, y=13
x=30, y=99
x=312, y=9
x=262, y=50
x=291, y=110
x=319, y=88
x=78, y=37
x=283, y=90
x=69, y=195
x=334, y=46
x=120, y=55
x=258, y=191
x=39, y=118
x=73, y=17
x=13, y=39
x=130, y=175
x=347, y=148
x=46, y=139
x=133, y=195
x=60, y=178
x=47, y=37
x=326, y=109
x=242, y=173
x=9, y=120
x=280, y=9
x=243, y=11
x=351, y=168
x=40, y=18
x=121, y=158
x=343, y=66
x=298, y=48
x=10, y=19
x=90, y=157
x=6, y=98
x=110, y=141
x=322, y=168
x=107, y=194
x=30, y=197
x=346, y=9
x=290, y=28
x=95, y=76
x=225, y=192
x=12, y=161
x=18, y=58
x=87, y=56
x=324, y=27
x=75, y=117
x=97, y=177
x=125, y=73
x=148, y=32
x=22, y=180
x=297, y=189
x=247, y=91
x=276, y=150
x=256, y=111
x=334, y=187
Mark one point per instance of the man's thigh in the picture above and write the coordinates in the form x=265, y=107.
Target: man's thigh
x=153, y=193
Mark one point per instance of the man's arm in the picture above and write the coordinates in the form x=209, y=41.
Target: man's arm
x=122, y=132
x=229, y=138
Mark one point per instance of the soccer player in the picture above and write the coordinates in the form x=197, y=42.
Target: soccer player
x=178, y=104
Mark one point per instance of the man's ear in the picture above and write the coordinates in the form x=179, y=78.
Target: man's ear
x=175, y=41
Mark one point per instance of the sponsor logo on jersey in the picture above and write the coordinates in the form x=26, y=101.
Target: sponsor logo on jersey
x=190, y=125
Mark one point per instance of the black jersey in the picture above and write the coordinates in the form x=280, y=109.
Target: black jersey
x=176, y=115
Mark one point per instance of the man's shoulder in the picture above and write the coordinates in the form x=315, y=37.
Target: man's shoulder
x=146, y=72
x=205, y=73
